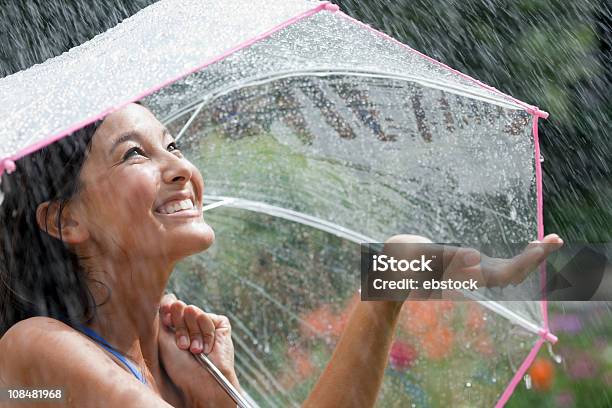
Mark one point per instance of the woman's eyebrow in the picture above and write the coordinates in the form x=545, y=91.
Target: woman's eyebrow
x=132, y=135
x=124, y=137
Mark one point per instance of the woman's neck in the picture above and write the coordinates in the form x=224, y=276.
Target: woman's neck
x=128, y=294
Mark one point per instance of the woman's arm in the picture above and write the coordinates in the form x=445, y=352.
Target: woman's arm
x=45, y=353
x=354, y=374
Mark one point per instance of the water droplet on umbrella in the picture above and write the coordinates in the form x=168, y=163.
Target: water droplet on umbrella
x=527, y=379
x=557, y=358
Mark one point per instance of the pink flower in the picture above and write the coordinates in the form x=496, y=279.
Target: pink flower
x=402, y=355
x=569, y=323
x=582, y=366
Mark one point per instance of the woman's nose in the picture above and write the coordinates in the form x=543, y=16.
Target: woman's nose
x=176, y=170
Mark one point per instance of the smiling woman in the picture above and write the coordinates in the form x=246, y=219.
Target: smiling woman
x=93, y=196
x=92, y=227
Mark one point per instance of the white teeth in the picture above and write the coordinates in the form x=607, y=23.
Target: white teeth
x=186, y=204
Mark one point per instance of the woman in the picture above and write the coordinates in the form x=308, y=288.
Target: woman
x=87, y=249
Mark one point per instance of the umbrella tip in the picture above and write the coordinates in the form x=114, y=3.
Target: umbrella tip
x=8, y=165
x=548, y=336
x=331, y=7
x=539, y=113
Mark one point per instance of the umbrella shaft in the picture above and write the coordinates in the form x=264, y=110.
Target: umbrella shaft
x=223, y=382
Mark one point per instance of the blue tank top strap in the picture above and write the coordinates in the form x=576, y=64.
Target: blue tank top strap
x=91, y=333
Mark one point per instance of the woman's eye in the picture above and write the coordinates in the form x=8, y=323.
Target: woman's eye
x=172, y=147
x=133, y=152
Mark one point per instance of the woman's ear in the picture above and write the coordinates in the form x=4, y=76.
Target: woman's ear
x=72, y=231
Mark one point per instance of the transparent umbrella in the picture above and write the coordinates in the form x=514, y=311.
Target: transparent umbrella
x=316, y=133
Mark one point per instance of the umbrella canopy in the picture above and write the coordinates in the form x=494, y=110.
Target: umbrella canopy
x=315, y=133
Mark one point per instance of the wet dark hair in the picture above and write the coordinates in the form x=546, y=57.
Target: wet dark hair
x=39, y=274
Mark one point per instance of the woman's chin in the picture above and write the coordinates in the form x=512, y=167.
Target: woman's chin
x=197, y=239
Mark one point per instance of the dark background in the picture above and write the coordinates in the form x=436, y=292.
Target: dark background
x=551, y=53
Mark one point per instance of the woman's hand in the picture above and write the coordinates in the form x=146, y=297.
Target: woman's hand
x=186, y=330
x=463, y=264
x=499, y=272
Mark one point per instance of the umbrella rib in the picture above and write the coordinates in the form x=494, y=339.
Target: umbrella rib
x=505, y=312
x=331, y=71
x=260, y=207
x=191, y=118
x=295, y=216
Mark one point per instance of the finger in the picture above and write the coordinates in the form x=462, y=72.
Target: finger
x=460, y=256
x=191, y=314
x=462, y=264
x=207, y=328
x=549, y=244
x=167, y=319
x=167, y=300
x=466, y=273
x=500, y=272
x=525, y=262
x=553, y=242
x=220, y=322
x=457, y=258
x=164, y=308
x=180, y=329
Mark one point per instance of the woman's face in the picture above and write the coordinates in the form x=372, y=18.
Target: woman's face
x=139, y=195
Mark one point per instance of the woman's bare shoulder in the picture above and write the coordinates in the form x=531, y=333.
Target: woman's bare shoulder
x=35, y=324
x=36, y=345
x=31, y=336
x=19, y=340
x=44, y=352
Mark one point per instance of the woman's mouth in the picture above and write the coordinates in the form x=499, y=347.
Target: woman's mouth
x=176, y=207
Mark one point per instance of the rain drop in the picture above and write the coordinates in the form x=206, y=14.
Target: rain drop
x=557, y=358
x=527, y=379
